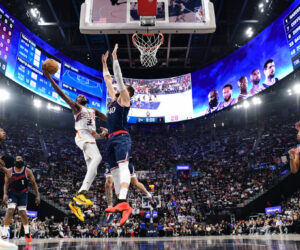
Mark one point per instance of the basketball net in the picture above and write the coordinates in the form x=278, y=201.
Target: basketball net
x=148, y=44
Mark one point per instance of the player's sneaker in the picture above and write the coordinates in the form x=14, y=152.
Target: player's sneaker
x=81, y=198
x=28, y=238
x=123, y=207
x=125, y=216
x=77, y=211
x=7, y=245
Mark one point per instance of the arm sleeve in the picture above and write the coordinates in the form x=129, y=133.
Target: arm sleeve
x=118, y=75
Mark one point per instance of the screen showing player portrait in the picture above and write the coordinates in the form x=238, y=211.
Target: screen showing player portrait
x=160, y=100
x=21, y=57
x=261, y=63
x=256, y=66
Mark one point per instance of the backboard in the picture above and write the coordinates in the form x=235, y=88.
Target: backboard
x=121, y=17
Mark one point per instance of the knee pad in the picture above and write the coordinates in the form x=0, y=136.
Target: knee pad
x=22, y=208
x=124, y=172
x=11, y=206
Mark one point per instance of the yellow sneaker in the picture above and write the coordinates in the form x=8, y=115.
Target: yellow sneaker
x=77, y=211
x=81, y=198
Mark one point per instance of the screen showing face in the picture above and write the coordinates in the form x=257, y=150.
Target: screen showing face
x=261, y=63
x=256, y=66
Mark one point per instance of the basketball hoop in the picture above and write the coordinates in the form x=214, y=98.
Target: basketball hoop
x=148, y=44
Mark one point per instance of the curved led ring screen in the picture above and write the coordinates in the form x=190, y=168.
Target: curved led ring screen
x=263, y=61
x=22, y=54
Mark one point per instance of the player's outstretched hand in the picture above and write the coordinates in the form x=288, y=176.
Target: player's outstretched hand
x=37, y=200
x=104, y=57
x=114, y=53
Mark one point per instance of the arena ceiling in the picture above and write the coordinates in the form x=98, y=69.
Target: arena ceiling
x=178, y=55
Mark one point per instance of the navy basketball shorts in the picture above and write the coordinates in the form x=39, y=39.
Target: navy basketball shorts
x=118, y=150
x=17, y=200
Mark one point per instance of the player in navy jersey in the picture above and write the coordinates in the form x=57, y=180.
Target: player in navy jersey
x=15, y=194
x=119, y=141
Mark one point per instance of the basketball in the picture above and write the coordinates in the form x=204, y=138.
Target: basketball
x=51, y=66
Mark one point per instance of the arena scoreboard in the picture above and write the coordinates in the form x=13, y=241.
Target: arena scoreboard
x=149, y=119
x=292, y=29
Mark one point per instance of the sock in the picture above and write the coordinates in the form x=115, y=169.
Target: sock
x=26, y=229
x=123, y=194
x=149, y=195
x=5, y=230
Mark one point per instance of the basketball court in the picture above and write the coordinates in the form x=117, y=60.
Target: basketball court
x=291, y=242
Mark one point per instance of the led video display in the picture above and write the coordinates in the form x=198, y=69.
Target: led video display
x=22, y=54
x=160, y=100
x=259, y=64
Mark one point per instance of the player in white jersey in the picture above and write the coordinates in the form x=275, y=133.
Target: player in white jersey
x=85, y=126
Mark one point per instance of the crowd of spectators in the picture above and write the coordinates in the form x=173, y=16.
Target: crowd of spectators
x=228, y=166
x=172, y=85
x=288, y=221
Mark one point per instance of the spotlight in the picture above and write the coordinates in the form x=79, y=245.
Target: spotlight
x=246, y=104
x=37, y=103
x=256, y=101
x=4, y=95
x=41, y=21
x=35, y=13
x=297, y=88
x=261, y=5
x=249, y=32
x=262, y=10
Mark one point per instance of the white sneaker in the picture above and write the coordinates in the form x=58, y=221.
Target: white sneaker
x=6, y=245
